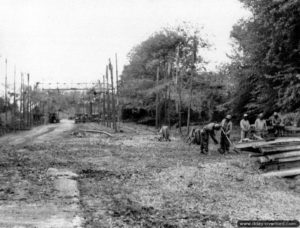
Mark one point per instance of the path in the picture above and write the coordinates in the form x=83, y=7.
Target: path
x=61, y=209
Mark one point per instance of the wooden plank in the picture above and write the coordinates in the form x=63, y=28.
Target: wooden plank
x=283, y=173
x=283, y=155
x=266, y=143
x=265, y=159
x=290, y=159
x=280, y=166
x=279, y=149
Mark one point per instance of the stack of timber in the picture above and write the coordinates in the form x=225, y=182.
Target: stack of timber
x=277, y=157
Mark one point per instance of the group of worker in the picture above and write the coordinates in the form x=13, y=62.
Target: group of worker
x=209, y=131
x=260, y=127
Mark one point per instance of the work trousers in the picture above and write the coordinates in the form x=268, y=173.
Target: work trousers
x=224, y=143
x=244, y=134
x=204, y=142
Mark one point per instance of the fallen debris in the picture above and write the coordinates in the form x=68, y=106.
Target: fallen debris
x=78, y=134
x=97, y=132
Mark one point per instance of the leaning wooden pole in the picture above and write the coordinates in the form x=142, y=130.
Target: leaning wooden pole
x=113, y=96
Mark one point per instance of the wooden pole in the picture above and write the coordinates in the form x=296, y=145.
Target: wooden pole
x=108, y=100
x=99, y=103
x=24, y=100
x=191, y=86
x=113, y=96
x=118, y=101
x=6, y=103
x=28, y=102
x=21, y=104
x=165, y=93
x=169, y=93
x=157, y=101
x=178, y=83
x=14, y=107
x=104, y=100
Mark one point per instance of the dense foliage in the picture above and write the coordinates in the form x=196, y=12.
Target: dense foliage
x=266, y=63
x=167, y=67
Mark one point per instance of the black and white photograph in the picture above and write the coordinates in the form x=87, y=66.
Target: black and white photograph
x=149, y=113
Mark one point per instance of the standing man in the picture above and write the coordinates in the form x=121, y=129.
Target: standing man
x=260, y=126
x=277, y=124
x=208, y=130
x=245, y=127
x=226, y=127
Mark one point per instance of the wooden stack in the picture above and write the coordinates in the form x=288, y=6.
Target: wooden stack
x=278, y=157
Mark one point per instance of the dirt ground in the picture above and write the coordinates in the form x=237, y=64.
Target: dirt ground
x=131, y=180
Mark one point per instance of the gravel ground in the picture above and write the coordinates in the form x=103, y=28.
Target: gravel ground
x=132, y=180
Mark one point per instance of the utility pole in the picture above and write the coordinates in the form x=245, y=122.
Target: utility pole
x=14, y=107
x=191, y=85
x=108, y=100
x=28, y=102
x=6, y=103
x=21, y=102
x=112, y=96
x=178, y=83
x=157, y=100
x=104, y=101
x=99, y=103
x=169, y=93
x=118, y=101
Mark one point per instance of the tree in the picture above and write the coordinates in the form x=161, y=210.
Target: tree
x=161, y=70
x=266, y=63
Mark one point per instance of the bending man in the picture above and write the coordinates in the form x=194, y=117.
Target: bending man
x=208, y=131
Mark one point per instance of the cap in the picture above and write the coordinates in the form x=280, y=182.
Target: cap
x=217, y=126
x=228, y=117
x=245, y=115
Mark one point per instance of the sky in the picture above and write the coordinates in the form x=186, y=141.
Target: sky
x=71, y=40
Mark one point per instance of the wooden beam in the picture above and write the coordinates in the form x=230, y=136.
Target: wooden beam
x=265, y=159
x=283, y=173
x=283, y=155
x=266, y=143
x=279, y=149
x=275, y=166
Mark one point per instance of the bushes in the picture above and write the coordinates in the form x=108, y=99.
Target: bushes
x=291, y=119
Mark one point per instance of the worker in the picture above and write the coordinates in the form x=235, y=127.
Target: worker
x=277, y=124
x=164, y=133
x=194, y=136
x=226, y=128
x=206, y=131
x=245, y=127
x=260, y=126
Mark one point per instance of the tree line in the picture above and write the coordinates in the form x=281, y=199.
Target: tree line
x=166, y=81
